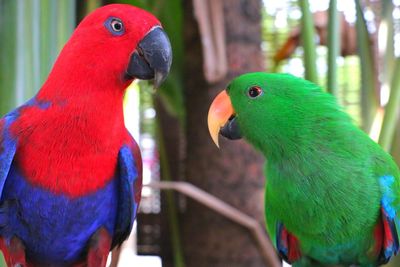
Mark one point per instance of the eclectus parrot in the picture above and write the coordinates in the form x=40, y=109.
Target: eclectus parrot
x=70, y=173
x=332, y=195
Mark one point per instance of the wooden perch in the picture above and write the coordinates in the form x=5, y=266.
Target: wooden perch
x=264, y=245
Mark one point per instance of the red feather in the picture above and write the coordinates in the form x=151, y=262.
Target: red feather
x=294, y=248
x=378, y=235
x=288, y=245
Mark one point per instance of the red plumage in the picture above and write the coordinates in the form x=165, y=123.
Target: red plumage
x=69, y=167
x=288, y=245
x=294, y=248
x=85, y=161
x=378, y=236
x=388, y=235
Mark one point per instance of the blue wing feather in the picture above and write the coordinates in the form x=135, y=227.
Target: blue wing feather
x=390, y=220
x=126, y=202
x=8, y=146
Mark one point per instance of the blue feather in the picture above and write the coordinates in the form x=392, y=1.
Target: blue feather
x=56, y=228
x=127, y=206
x=389, y=217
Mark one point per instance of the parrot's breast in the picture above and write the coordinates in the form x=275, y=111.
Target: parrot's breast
x=55, y=228
x=66, y=150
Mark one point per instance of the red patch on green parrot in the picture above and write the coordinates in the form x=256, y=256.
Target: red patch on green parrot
x=390, y=244
x=378, y=236
x=386, y=241
x=287, y=244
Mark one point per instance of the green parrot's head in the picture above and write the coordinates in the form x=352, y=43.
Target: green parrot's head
x=273, y=111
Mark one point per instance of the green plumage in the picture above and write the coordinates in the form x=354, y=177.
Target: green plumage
x=323, y=173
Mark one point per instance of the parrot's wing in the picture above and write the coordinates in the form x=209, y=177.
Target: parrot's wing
x=130, y=183
x=8, y=146
x=287, y=244
x=388, y=236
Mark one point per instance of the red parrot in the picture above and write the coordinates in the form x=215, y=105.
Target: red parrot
x=70, y=173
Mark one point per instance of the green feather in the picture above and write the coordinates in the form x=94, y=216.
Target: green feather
x=322, y=171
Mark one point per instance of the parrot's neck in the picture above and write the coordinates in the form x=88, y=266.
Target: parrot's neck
x=83, y=92
x=95, y=106
x=309, y=143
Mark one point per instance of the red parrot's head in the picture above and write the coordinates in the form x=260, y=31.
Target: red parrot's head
x=120, y=42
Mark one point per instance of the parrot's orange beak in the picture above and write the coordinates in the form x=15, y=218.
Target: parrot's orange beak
x=218, y=115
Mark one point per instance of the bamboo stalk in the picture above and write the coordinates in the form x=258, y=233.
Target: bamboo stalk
x=333, y=47
x=66, y=21
x=53, y=49
x=391, y=111
x=308, y=39
x=35, y=29
x=45, y=39
x=387, y=49
x=369, y=102
x=26, y=52
x=8, y=16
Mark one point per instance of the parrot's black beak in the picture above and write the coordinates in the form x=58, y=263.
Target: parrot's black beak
x=152, y=58
x=231, y=129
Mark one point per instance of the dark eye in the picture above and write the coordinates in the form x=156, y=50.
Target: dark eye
x=254, y=91
x=115, y=26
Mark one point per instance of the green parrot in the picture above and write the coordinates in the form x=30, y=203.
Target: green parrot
x=332, y=195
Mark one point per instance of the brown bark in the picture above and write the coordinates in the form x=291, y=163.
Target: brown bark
x=233, y=173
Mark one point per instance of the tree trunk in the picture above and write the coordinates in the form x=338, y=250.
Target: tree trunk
x=233, y=173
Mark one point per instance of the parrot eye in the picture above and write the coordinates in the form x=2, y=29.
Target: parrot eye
x=254, y=91
x=115, y=26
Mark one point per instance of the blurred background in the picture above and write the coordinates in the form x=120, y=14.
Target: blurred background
x=350, y=47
